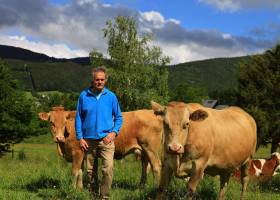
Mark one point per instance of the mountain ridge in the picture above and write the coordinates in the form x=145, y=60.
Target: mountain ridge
x=11, y=52
x=51, y=73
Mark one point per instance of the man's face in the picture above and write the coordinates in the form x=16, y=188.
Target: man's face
x=99, y=81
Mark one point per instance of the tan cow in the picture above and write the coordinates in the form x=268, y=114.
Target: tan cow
x=63, y=132
x=141, y=133
x=202, y=140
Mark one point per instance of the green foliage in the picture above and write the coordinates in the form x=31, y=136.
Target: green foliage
x=137, y=70
x=50, y=76
x=72, y=77
x=259, y=87
x=47, y=100
x=16, y=113
x=211, y=74
x=225, y=97
x=188, y=94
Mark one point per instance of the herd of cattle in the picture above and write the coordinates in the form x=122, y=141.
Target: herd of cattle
x=185, y=140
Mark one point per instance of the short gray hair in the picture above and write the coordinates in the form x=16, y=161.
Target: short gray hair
x=100, y=69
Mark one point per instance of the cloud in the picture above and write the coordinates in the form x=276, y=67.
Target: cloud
x=75, y=28
x=234, y=5
x=192, y=51
x=55, y=50
x=79, y=23
x=187, y=45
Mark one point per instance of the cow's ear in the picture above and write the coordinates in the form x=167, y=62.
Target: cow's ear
x=198, y=115
x=158, y=109
x=71, y=115
x=44, y=116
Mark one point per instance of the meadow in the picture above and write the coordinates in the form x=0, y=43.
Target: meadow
x=34, y=171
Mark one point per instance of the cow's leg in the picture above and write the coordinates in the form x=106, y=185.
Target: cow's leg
x=244, y=178
x=155, y=163
x=77, y=174
x=224, y=180
x=145, y=166
x=196, y=176
x=166, y=174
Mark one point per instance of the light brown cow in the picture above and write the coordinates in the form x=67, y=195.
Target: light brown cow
x=63, y=132
x=141, y=132
x=202, y=140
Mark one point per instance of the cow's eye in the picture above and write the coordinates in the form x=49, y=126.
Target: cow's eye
x=186, y=125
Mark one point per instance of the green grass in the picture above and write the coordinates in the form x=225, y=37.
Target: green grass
x=36, y=172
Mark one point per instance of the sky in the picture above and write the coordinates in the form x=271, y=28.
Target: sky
x=185, y=30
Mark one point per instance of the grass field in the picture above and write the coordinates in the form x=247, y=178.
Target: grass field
x=35, y=171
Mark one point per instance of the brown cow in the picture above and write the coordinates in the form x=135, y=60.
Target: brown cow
x=199, y=139
x=262, y=169
x=141, y=133
x=63, y=132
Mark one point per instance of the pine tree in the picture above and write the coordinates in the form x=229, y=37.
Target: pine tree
x=259, y=87
x=15, y=110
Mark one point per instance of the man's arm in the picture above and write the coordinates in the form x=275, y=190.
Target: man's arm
x=78, y=125
x=118, y=119
x=78, y=120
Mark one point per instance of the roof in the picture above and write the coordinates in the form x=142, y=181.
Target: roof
x=210, y=103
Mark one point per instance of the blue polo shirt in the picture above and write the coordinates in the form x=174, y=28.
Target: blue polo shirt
x=97, y=116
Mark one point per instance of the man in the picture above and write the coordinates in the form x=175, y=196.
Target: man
x=98, y=121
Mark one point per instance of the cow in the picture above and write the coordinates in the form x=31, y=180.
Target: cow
x=141, y=133
x=262, y=169
x=68, y=147
x=200, y=140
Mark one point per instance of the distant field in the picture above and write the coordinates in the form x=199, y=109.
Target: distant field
x=36, y=172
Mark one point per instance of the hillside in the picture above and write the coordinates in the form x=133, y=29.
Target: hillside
x=48, y=76
x=9, y=52
x=43, y=73
x=212, y=74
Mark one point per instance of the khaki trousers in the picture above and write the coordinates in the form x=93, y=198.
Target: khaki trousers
x=106, y=152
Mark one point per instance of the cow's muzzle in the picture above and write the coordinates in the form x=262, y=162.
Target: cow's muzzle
x=59, y=138
x=175, y=148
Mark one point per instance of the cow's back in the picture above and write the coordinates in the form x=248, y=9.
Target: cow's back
x=227, y=138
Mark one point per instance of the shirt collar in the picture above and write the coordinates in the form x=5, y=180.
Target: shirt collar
x=104, y=91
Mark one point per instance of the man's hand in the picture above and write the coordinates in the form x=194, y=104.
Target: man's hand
x=83, y=144
x=109, y=138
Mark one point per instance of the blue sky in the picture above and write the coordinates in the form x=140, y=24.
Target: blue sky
x=196, y=15
x=186, y=30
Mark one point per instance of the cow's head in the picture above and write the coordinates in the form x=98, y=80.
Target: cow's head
x=58, y=120
x=276, y=156
x=177, y=118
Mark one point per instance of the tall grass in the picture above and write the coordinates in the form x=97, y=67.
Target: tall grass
x=36, y=172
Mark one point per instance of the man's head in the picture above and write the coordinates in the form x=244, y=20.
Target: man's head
x=99, y=78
